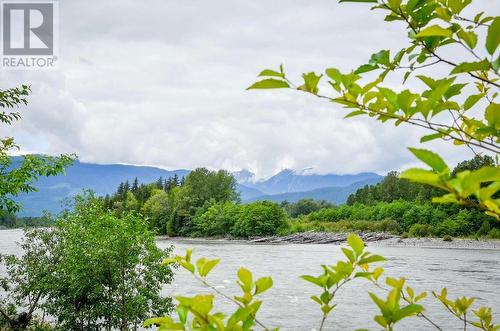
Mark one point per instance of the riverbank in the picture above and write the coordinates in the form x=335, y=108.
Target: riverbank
x=456, y=243
x=380, y=239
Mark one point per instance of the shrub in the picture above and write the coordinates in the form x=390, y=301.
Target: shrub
x=447, y=238
x=494, y=234
x=484, y=229
x=93, y=270
x=421, y=230
x=448, y=227
x=390, y=226
x=262, y=218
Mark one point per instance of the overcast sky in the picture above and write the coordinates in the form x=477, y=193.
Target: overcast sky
x=163, y=83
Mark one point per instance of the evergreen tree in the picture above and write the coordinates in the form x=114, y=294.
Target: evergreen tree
x=175, y=180
x=121, y=190
x=159, y=183
x=135, y=186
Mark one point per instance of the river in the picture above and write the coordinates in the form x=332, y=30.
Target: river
x=470, y=272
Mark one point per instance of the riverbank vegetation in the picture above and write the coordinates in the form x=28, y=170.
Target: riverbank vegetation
x=12, y=221
x=92, y=270
x=206, y=204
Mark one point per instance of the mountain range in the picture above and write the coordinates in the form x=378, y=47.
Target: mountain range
x=287, y=185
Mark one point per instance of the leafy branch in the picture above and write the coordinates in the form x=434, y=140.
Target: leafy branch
x=442, y=95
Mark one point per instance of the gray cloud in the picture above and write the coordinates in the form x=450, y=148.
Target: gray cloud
x=163, y=83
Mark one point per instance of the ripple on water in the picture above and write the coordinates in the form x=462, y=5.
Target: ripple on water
x=287, y=304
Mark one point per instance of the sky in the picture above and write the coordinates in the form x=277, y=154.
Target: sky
x=163, y=83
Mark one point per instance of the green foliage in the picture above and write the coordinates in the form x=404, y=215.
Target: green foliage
x=401, y=302
x=494, y=234
x=218, y=219
x=391, y=310
x=158, y=209
x=11, y=221
x=476, y=188
x=172, y=204
x=336, y=276
x=262, y=218
x=304, y=207
x=484, y=229
x=92, y=270
x=200, y=187
x=393, y=188
x=196, y=313
x=421, y=230
x=474, y=120
x=18, y=176
x=206, y=204
x=447, y=238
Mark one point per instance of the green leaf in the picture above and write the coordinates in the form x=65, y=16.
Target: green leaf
x=469, y=37
x=356, y=243
x=447, y=198
x=492, y=115
x=208, y=266
x=245, y=277
x=407, y=311
x=493, y=37
x=349, y=254
x=428, y=81
x=430, y=158
x=269, y=84
x=263, y=284
x=382, y=57
x=394, y=4
x=355, y=113
x=390, y=96
x=443, y=13
x=431, y=137
x=271, y=73
x=471, y=66
x=471, y=182
x=311, y=81
x=314, y=280
x=189, y=253
x=366, y=68
x=186, y=265
x=421, y=176
x=372, y=259
x=434, y=31
x=334, y=74
x=168, y=261
x=496, y=64
x=472, y=100
x=316, y=299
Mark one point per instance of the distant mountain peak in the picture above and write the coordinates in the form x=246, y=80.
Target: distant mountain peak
x=307, y=171
x=289, y=180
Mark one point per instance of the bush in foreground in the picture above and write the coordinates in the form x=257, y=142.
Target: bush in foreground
x=93, y=270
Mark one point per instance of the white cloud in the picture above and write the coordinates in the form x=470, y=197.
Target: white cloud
x=163, y=83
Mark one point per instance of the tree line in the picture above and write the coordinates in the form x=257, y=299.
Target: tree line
x=207, y=203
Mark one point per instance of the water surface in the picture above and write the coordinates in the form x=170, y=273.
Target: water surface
x=287, y=305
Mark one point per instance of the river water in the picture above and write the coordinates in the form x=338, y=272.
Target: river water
x=287, y=305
